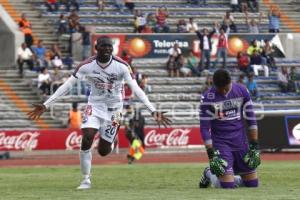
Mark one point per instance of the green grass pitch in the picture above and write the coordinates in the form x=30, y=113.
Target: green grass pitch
x=278, y=180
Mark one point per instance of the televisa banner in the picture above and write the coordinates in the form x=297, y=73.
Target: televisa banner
x=157, y=45
x=68, y=139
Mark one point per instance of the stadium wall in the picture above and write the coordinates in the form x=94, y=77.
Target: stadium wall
x=10, y=39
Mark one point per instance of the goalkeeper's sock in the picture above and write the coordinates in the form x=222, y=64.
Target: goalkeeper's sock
x=213, y=179
x=227, y=185
x=86, y=162
x=251, y=183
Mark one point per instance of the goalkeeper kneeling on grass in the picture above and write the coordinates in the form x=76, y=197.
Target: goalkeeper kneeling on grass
x=233, y=152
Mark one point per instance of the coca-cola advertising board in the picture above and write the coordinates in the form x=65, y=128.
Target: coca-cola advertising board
x=68, y=139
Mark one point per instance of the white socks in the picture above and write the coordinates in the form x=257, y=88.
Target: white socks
x=85, y=162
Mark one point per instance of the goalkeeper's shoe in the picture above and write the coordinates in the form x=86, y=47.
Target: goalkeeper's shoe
x=204, y=181
x=85, y=184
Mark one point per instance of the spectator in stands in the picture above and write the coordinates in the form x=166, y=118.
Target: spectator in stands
x=253, y=47
x=62, y=25
x=100, y=5
x=139, y=22
x=56, y=56
x=181, y=26
x=228, y=22
x=56, y=79
x=161, y=20
x=257, y=63
x=40, y=55
x=274, y=20
x=69, y=3
x=119, y=4
x=205, y=45
x=137, y=75
x=75, y=117
x=128, y=94
x=86, y=42
x=222, y=45
x=243, y=5
x=144, y=84
x=234, y=5
x=44, y=82
x=197, y=2
x=126, y=57
x=151, y=21
x=25, y=27
x=253, y=25
x=24, y=56
x=267, y=53
x=251, y=86
x=175, y=60
x=191, y=26
x=129, y=5
x=208, y=83
x=52, y=5
x=24, y=22
x=185, y=71
x=243, y=62
x=241, y=79
x=253, y=5
x=295, y=79
x=73, y=20
x=192, y=63
x=284, y=80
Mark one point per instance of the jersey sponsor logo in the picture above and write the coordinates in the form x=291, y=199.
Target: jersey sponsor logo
x=100, y=85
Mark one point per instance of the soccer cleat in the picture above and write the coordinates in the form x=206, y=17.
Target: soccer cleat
x=85, y=184
x=204, y=181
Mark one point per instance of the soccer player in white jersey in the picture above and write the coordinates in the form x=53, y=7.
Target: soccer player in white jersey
x=106, y=74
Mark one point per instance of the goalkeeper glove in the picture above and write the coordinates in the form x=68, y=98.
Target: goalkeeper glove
x=252, y=158
x=217, y=164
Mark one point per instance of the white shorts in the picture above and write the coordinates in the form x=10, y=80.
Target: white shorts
x=103, y=117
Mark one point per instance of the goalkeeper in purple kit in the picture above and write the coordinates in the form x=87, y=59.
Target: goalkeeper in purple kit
x=233, y=154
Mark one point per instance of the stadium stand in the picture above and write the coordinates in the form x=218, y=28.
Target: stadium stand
x=181, y=95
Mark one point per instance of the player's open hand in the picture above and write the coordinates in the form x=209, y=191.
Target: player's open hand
x=160, y=118
x=38, y=110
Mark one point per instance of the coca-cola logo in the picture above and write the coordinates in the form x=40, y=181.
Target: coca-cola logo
x=73, y=141
x=177, y=137
x=24, y=141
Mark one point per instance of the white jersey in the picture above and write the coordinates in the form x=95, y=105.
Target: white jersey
x=106, y=82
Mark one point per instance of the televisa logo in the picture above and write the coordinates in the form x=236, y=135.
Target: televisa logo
x=177, y=137
x=25, y=141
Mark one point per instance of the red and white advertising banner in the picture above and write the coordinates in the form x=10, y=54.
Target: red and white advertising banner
x=68, y=139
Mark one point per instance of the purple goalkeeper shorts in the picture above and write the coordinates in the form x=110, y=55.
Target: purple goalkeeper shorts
x=236, y=164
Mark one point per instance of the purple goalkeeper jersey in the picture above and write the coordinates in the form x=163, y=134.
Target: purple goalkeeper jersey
x=222, y=118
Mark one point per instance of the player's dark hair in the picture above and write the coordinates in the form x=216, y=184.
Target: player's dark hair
x=221, y=78
x=103, y=39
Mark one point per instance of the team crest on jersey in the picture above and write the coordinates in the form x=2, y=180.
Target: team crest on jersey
x=210, y=95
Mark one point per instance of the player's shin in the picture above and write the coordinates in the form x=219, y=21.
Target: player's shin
x=86, y=162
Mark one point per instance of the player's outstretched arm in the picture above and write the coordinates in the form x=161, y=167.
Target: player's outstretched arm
x=39, y=109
